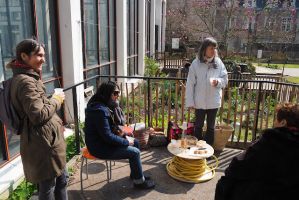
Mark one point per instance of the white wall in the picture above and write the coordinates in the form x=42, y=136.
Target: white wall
x=141, y=36
x=71, y=52
x=121, y=37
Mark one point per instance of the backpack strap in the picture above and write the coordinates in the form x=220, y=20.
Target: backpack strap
x=15, y=100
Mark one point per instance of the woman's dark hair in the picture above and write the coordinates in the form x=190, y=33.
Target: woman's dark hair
x=29, y=47
x=104, y=92
x=203, y=47
x=290, y=113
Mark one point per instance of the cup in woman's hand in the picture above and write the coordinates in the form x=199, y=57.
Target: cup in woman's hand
x=130, y=139
x=213, y=81
x=58, y=90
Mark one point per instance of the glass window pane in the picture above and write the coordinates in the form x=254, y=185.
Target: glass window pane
x=15, y=25
x=135, y=19
x=105, y=70
x=46, y=25
x=148, y=24
x=13, y=143
x=112, y=28
x=136, y=65
x=112, y=69
x=128, y=28
x=146, y=21
x=2, y=153
x=104, y=32
x=131, y=66
x=128, y=67
x=132, y=27
x=90, y=74
x=91, y=32
x=50, y=86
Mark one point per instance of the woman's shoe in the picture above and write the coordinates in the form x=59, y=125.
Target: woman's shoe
x=147, y=184
x=146, y=177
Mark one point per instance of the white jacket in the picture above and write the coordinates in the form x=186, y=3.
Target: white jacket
x=200, y=94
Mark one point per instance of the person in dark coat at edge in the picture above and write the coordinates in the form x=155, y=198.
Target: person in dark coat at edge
x=42, y=144
x=268, y=170
x=103, y=139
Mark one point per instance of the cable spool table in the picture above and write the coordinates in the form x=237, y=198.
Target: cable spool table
x=189, y=167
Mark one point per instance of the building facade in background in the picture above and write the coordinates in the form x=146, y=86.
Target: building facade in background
x=83, y=38
x=240, y=26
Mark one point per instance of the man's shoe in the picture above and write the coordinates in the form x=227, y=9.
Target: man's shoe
x=147, y=184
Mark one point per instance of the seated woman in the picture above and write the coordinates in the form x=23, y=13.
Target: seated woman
x=104, y=141
x=269, y=168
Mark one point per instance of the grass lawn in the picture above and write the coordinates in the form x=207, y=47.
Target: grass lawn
x=293, y=79
x=279, y=65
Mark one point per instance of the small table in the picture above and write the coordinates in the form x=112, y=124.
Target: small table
x=189, y=167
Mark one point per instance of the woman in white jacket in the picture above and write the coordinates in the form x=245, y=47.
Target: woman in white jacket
x=206, y=78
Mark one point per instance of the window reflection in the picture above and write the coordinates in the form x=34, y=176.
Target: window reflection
x=90, y=27
x=105, y=70
x=46, y=23
x=15, y=25
x=104, y=32
x=91, y=73
x=51, y=85
x=132, y=33
x=13, y=143
x=99, y=37
x=2, y=145
x=112, y=28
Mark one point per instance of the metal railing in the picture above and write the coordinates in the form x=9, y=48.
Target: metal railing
x=248, y=105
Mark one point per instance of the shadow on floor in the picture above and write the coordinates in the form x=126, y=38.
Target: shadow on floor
x=154, y=163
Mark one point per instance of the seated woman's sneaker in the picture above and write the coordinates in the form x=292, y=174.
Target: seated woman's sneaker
x=147, y=184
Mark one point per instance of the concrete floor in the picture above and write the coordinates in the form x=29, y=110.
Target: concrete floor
x=154, y=164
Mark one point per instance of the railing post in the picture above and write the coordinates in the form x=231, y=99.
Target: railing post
x=258, y=111
x=148, y=102
x=76, y=119
x=164, y=58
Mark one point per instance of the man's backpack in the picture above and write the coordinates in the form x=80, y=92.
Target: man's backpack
x=8, y=114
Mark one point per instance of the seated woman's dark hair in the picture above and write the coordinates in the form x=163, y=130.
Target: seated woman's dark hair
x=104, y=92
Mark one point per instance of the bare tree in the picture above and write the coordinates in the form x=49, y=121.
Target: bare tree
x=228, y=20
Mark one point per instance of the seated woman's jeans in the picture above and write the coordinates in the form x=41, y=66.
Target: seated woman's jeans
x=133, y=154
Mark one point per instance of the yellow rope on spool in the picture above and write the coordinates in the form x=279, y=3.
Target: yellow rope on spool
x=189, y=170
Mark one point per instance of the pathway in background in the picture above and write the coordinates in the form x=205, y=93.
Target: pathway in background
x=287, y=71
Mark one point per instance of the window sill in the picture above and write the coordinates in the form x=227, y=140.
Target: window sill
x=134, y=80
x=11, y=176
